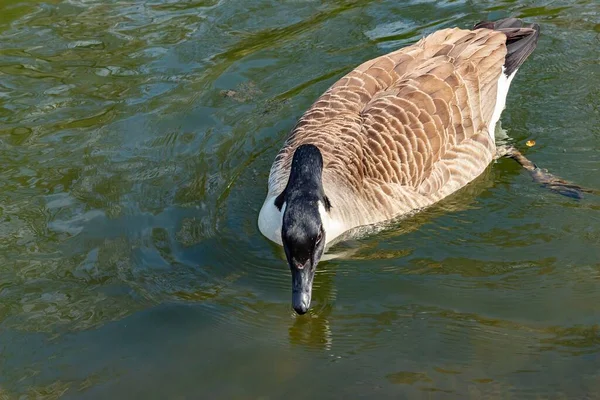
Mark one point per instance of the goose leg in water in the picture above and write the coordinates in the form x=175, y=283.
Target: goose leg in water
x=542, y=176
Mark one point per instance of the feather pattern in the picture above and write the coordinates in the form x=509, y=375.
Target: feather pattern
x=404, y=130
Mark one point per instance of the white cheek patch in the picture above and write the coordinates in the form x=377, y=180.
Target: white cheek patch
x=332, y=227
x=270, y=220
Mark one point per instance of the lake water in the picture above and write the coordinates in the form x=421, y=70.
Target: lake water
x=136, y=139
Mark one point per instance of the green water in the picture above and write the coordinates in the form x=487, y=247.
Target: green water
x=135, y=144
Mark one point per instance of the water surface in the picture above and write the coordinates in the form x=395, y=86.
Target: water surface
x=136, y=139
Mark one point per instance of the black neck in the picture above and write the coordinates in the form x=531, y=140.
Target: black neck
x=305, y=181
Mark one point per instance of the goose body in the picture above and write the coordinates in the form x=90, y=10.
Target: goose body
x=397, y=134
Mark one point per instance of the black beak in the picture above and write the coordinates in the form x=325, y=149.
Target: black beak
x=302, y=279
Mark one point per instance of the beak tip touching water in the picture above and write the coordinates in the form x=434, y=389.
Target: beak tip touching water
x=301, y=302
x=301, y=309
x=301, y=288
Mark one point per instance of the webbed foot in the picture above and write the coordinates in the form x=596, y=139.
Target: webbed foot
x=543, y=177
x=558, y=185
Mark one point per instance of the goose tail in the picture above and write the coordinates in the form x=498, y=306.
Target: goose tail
x=521, y=40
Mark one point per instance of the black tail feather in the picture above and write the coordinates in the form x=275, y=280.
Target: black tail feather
x=521, y=40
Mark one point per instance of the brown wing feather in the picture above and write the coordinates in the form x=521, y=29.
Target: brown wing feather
x=407, y=125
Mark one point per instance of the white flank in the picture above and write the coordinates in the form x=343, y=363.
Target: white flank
x=502, y=92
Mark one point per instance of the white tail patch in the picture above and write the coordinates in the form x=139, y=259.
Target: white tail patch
x=502, y=92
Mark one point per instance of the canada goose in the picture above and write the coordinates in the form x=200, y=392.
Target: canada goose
x=396, y=134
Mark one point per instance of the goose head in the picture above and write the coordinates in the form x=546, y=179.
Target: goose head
x=303, y=235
